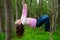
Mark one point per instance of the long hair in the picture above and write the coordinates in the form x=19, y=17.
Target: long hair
x=20, y=30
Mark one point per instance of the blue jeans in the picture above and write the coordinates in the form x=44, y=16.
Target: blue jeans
x=43, y=19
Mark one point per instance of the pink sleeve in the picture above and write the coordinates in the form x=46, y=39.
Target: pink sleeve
x=24, y=11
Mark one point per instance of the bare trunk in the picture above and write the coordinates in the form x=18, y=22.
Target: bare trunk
x=1, y=18
x=41, y=7
x=40, y=11
x=56, y=14
x=51, y=29
x=16, y=9
x=8, y=17
x=13, y=24
x=0, y=22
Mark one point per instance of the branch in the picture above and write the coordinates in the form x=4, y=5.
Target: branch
x=57, y=8
x=50, y=9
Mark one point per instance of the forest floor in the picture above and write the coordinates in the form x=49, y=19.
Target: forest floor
x=29, y=34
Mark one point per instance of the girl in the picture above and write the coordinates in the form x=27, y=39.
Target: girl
x=32, y=22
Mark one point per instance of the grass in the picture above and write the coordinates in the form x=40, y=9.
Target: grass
x=2, y=36
x=29, y=34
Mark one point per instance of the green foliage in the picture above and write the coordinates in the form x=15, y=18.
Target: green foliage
x=34, y=9
x=2, y=36
x=45, y=7
x=31, y=35
x=37, y=35
x=1, y=5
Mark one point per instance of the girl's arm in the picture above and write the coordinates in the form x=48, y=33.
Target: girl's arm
x=24, y=11
x=24, y=14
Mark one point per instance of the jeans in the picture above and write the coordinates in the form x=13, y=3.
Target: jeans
x=43, y=19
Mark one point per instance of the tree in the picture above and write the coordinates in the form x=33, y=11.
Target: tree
x=0, y=21
x=56, y=14
x=16, y=9
x=41, y=7
x=1, y=17
x=8, y=17
x=52, y=14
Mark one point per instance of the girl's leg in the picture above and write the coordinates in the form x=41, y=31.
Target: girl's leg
x=42, y=20
x=47, y=24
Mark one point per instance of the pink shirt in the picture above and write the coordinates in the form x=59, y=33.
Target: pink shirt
x=29, y=21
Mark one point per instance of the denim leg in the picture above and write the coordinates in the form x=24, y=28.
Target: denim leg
x=44, y=19
x=47, y=24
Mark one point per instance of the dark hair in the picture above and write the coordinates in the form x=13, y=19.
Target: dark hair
x=20, y=30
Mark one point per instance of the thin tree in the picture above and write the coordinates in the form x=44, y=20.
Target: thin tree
x=41, y=7
x=1, y=17
x=56, y=14
x=16, y=9
x=40, y=14
x=1, y=21
x=8, y=17
x=52, y=14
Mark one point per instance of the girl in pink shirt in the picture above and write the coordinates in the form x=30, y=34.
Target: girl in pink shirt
x=32, y=22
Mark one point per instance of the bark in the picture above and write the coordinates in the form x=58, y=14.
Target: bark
x=8, y=17
x=40, y=14
x=56, y=14
x=0, y=22
x=16, y=9
x=40, y=7
x=51, y=27
x=1, y=18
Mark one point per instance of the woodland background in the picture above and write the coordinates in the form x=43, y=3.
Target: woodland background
x=11, y=10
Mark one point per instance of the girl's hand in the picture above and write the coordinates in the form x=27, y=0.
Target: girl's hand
x=18, y=22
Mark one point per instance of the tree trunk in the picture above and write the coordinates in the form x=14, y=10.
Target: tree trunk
x=41, y=7
x=52, y=14
x=16, y=9
x=56, y=14
x=8, y=17
x=1, y=21
x=1, y=18
x=13, y=23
